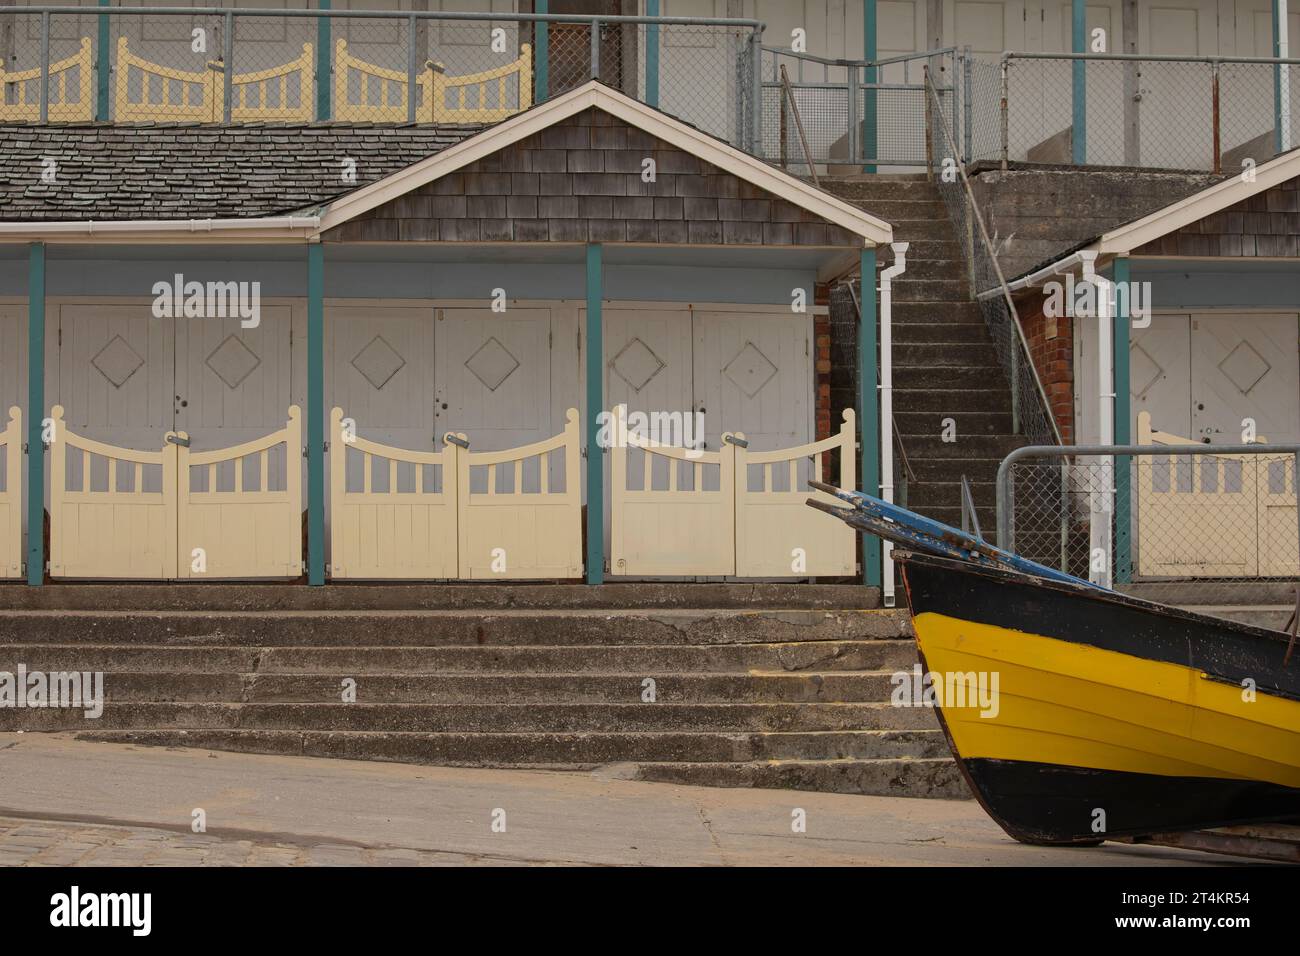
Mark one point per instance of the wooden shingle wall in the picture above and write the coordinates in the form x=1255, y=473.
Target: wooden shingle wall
x=1266, y=225
x=581, y=181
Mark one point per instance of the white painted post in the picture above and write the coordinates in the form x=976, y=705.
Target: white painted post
x=1103, y=487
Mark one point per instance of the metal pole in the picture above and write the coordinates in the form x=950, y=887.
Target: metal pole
x=1282, y=75
x=410, y=70
x=227, y=66
x=652, y=55
x=45, y=68
x=1079, y=84
x=595, y=49
x=542, y=53
x=870, y=145
x=967, y=71
x=324, y=63
x=852, y=89
x=929, y=126
x=1006, y=133
x=1295, y=484
x=1214, y=106
x=103, y=46
x=756, y=91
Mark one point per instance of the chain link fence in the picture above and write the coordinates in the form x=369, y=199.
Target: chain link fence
x=1208, y=114
x=848, y=113
x=236, y=66
x=1181, y=525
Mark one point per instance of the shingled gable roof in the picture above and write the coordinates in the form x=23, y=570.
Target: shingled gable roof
x=596, y=95
x=192, y=171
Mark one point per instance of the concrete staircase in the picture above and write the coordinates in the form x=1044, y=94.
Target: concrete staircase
x=755, y=685
x=944, y=362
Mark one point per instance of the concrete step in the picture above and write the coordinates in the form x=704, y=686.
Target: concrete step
x=446, y=628
x=944, y=312
x=889, y=763
x=944, y=492
x=948, y=377
x=475, y=718
x=895, y=208
x=949, y=334
x=975, y=446
x=935, y=356
x=875, y=190
x=950, y=470
x=966, y=422
x=511, y=688
x=795, y=657
x=929, y=267
x=914, y=289
x=921, y=228
x=908, y=401
x=121, y=596
x=936, y=778
x=540, y=749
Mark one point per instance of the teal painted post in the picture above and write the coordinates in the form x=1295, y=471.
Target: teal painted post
x=35, y=413
x=324, y=63
x=869, y=52
x=1123, y=570
x=316, y=415
x=542, y=55
x=1079, y=44
x=869, y=410
x=103, y=53
x=652, y=55
x=1278, y=137
x=595, y=405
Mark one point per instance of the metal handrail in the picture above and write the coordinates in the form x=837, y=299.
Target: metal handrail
x=992, y=254
x=798, y=124
x=1005, y=516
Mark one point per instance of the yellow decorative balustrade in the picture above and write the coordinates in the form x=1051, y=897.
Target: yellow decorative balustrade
x=282, y=93
x=366, y=92
x=70, y=99
x=144, y=91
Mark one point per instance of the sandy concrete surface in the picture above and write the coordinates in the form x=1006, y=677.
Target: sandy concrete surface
x=67, y=802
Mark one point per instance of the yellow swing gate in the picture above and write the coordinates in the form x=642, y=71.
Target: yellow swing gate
x=11, y=496
x=104, y=524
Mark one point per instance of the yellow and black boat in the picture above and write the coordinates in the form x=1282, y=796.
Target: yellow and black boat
x=1078, y=714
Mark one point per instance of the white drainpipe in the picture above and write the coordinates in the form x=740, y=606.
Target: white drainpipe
x=887, y=403
x=1103, y=484
x=1284, y=72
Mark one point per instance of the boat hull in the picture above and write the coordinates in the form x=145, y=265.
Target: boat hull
x=1109, y=716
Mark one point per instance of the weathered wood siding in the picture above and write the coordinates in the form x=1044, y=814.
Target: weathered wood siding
x=580, y=181
x=1265, y=225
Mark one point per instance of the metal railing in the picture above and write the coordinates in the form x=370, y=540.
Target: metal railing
x=1031, y=413
x=852, y=112
x=1158, y=112
x=212, y=64
x=1189, y=524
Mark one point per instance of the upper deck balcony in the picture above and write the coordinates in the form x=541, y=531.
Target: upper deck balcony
x=230, y=65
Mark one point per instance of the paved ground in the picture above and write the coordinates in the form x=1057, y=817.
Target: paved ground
x=65, y=802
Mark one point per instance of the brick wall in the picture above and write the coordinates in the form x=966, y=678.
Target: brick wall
x=1051, y=346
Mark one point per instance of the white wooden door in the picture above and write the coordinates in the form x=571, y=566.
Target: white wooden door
x=492, y=381
x=233, y=384
x=1245, y=367
x=753, y=374
x=1160, y=365
x=115, y=373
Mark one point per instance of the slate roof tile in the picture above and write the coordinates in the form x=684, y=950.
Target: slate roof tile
x=192, y=171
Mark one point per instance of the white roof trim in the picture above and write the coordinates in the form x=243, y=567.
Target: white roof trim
x=1122, y=241
x=594, y=94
